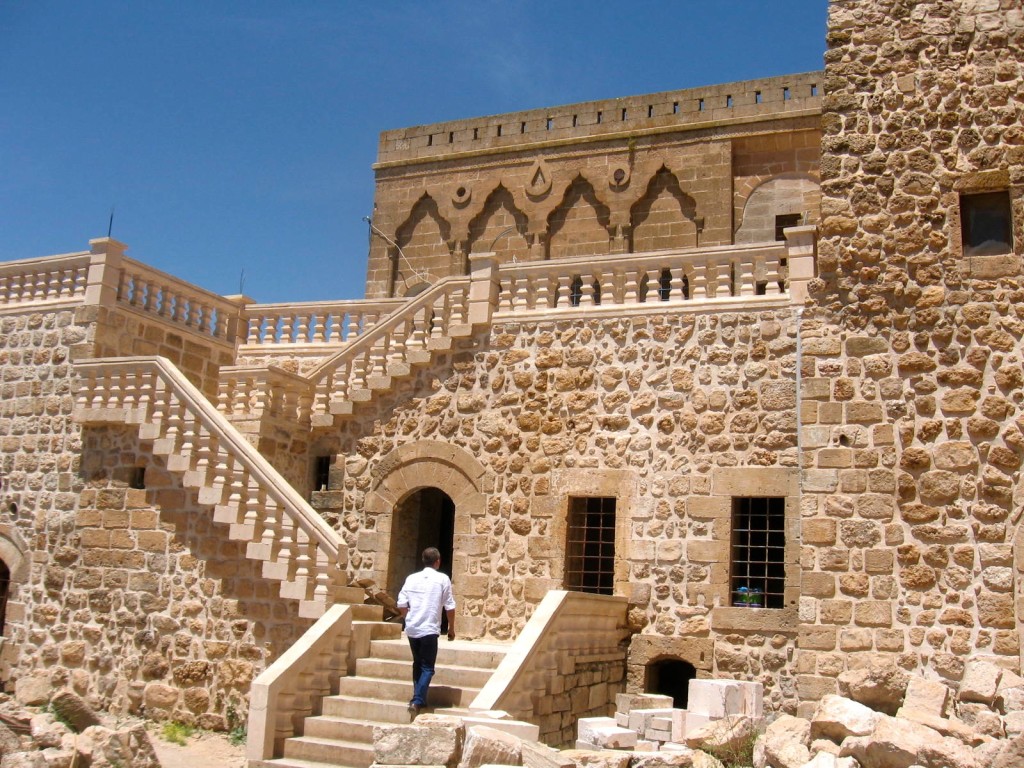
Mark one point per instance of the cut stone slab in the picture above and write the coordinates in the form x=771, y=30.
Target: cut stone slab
x=627, y=702
x=431, y=740
x=537, y=755
x=485, y=745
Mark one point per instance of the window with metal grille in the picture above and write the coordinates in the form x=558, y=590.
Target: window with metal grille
x=784, y=220
x=759, y=552
x=321, y=473
x=590, y=545
x=985, y=223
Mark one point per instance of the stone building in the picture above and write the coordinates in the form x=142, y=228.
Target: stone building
x=741, y=363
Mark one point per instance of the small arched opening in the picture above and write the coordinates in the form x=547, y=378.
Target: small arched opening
x=424, y=518
x=670, y=677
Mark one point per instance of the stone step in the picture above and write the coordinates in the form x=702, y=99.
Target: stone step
x=334, y=752
x=441, y=695
x=444, y=674
x=283, y=762
x=349, y=707
x=465, y=653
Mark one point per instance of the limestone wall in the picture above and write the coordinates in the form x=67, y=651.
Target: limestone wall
x=912, y=394
x=670, y=174
x=671, y=415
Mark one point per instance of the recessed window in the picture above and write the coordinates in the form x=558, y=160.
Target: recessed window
x=522, y=127
x=549, y=123
x=650, y=110
x=321, y=473
x=985, y=223
x=757, y=97
x=675, y=107
x=814, y=90
x=625, y=114
x=138, y=478
x=574, y=121
x=784, y=220
x=758, y=574
x=451, y=137
x=476, y=134
x=728, y=101
x=786, y=94
x=575, y=291
x=590, y=545
x=599, y=116
x=430, y=139
x=700, y=105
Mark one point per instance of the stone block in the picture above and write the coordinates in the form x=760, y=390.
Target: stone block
x=714, y=699
x=980, y=681
x=605, y=733
x=627, y=702
x=928, y=696
x=485, y=745
x=431, y=740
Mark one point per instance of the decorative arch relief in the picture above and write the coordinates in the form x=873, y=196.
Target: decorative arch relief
x=539, y=183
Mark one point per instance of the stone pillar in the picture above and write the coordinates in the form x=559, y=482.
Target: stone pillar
x=237, y=329
x=483, y=287
x=104, y=271
x=801, y=256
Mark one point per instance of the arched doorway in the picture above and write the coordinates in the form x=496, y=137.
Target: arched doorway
x=670, y=677
x=424, y=518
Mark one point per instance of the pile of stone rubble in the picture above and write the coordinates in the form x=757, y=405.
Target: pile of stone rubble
x=58, y=729
x=883, y=717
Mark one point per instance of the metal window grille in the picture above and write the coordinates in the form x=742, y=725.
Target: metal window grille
x=576, y=291
x=590, y=545
x=759, y=552
x=986, y=223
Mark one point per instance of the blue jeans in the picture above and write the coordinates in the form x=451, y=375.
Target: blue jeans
x=424, y=656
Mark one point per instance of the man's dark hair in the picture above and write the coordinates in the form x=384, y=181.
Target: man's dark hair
x=431, y=555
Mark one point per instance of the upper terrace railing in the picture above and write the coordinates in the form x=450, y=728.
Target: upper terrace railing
x=314, y=323
x=51, y=279
x=153, y=292
x=648, y=280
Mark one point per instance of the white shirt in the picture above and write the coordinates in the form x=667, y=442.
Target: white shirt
x=425, y=594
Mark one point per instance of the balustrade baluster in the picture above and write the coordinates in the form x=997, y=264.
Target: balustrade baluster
x=286, y=543
x=300, y=323
x=270, y=524
x=321, y=589
x=318, y=333
x=699, y=283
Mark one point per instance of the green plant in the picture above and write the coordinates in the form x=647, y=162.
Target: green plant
x=238, y=735
x=176, y=733
x=739, y=754
x=237, y=732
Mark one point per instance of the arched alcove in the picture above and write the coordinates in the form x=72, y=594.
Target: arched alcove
x=670, y=677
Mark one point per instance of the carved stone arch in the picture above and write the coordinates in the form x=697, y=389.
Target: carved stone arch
x=643, y=172
x=580, y=225
x=665, y=217
x=413, y=467
x=424, y=238
x=501, y=227
x=759, y=199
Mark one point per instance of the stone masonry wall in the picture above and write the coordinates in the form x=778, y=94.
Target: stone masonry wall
x=912, y=395
x=132, y=597
x=652, y=410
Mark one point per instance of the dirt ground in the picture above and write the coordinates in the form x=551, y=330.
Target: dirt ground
x=205, y=750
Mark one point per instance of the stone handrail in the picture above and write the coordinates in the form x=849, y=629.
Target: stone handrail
x=313, y=323
x=649, y=280
x=257, y=391
x=394, y=345
x=51, y=279
x=175, y=301
x=297, y=547
x=290, y=688
x=567, y=630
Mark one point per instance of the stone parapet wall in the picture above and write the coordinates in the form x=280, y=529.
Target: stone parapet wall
x=575, y=123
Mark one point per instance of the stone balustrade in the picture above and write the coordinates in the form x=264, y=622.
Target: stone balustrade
x=391, y=348
x=567, y=663
x=153, y=292
x=53, y=279
x=722, y=274
x=315, y=323
x=256, y=391
x=295, y=545
x=290, y=688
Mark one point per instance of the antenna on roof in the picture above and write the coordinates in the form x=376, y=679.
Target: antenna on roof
x=110, y=225
x=241, y=282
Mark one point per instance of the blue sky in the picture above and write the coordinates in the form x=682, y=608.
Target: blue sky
x=238, y=136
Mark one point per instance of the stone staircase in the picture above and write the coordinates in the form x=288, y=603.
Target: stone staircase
x=378, y=694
